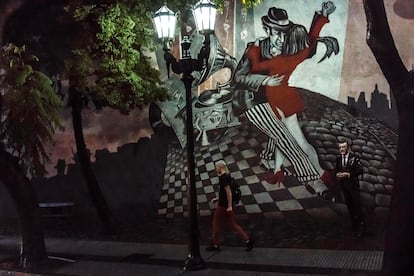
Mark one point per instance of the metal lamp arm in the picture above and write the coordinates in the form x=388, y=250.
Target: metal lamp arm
x=204, y=53
x=187, y=64
x=170, y=61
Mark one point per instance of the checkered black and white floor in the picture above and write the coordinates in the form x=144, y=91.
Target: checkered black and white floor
x=239, y=148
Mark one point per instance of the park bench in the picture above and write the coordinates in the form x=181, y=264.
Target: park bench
x=56, y=209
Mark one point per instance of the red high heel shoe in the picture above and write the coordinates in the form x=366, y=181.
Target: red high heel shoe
x=328, y=179
x=277, y=177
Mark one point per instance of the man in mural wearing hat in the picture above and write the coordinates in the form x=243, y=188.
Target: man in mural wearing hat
x=264, y=71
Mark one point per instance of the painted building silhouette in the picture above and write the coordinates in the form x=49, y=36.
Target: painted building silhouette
x=380, y=107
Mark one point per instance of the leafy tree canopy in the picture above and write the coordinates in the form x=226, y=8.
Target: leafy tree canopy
x=109, y=46
x=28, y=108
x=115, y=55
x=113, y=60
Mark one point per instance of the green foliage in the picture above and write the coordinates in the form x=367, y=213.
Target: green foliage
x=245, y=3
x=250, y=3
x=79, y=68
x=29, y=109
x=82, y=12
x=114, y=63
x=126, y=76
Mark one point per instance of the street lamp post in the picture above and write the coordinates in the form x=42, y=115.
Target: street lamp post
x=204, y=13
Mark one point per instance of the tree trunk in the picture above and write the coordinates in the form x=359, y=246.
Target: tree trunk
x=97, y=197
x=398, y=256
x=24, y=197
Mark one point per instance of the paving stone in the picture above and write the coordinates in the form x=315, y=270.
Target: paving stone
x=367, y=199
x=330, y=158
x=389, y=188
x=366, y=186
x=288, y=205
x=322, y=130
x=348, y=137
x=379, y=188
x=370, y=178
x=367, y=149
x=386, y=172
x=365, y=163
x=336, y=127
x=321, y=150
x=382, y=179
x=325, y=124
x=309, y=129
x=314, y=123
x=378, y=157
x=375, y=163
x=356, y=148
x=334, y=151
x=329, y=144
x=336, y=133
x=263, y=198
x=383, y=200
x=359, y=142
x=373, y=170
x=366, y=156
x=330, y=137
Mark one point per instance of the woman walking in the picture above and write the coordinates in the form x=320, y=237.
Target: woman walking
x=224, y=211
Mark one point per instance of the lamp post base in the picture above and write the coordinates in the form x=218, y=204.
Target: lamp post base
x=194, y=263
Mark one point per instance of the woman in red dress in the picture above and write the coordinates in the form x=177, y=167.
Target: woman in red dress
x=288, y=45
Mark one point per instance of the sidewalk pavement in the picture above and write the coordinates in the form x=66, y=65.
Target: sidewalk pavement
x=91, y=257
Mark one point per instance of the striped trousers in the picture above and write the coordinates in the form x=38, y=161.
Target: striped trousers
x=263, y=117
x=268, y=152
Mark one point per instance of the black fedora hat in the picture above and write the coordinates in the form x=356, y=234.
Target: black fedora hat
x=277, y=19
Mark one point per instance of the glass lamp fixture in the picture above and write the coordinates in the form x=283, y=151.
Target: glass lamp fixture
x=165, y=21
x=204, y=13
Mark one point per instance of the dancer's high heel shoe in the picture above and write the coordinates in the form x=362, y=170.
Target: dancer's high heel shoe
x=277, y=178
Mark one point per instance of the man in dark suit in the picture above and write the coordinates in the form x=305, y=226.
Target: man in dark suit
x=348, y=168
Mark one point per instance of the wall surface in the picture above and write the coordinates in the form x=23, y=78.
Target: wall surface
x=142, y=170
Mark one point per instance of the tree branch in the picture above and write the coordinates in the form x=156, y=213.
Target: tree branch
x=381, y=43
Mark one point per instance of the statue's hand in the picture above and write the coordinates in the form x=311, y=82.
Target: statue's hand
x=328, y=8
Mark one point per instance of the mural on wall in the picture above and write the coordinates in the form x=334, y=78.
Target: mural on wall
x=285, y=99
x=264, y=72
x=325, y=77
x=286, y=82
